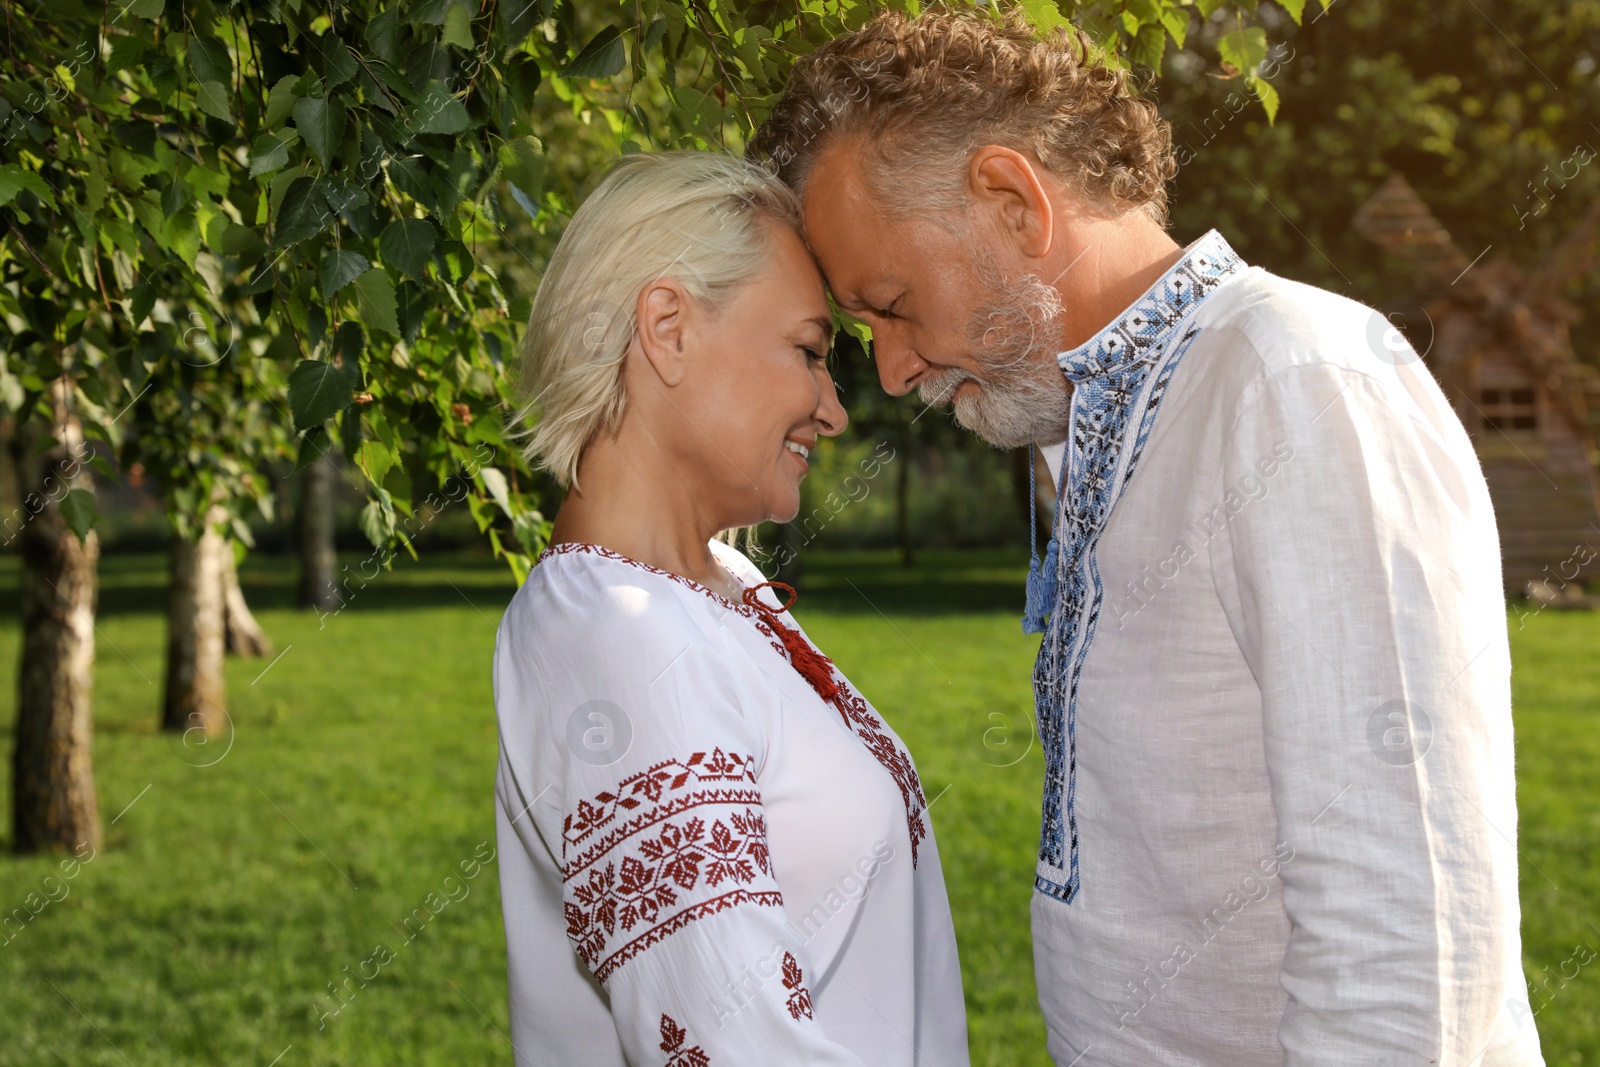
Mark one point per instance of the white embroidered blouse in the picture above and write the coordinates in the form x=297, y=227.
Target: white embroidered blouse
x=702, y=861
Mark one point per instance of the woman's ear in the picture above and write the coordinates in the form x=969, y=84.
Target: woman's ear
x=662, y=311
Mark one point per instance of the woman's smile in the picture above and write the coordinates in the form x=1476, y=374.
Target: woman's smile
x=801, y=451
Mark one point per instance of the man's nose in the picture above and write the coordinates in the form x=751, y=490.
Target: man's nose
x=898, y=365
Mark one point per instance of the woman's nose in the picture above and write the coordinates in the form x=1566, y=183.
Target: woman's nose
x=830, y=414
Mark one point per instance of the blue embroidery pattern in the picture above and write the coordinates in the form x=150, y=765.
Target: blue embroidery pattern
x=1119, y=378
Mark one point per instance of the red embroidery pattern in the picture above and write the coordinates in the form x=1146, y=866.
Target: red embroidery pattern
x=799, y=995
x=648, y=793
x=656, y=858
x=672, y=1038
x=889, y=752
x=854, y=707
x=834, y=688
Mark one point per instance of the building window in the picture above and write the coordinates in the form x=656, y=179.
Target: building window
x=1510, y=408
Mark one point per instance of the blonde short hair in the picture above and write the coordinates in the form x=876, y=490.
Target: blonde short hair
x=920, y=95
x=698, y=217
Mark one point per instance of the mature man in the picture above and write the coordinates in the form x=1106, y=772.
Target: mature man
x=1274, y=687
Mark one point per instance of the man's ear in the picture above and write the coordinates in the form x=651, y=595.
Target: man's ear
x=662, y=310
x=1005, y=185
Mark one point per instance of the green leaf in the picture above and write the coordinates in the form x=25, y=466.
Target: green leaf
x=145, y=9
x=281, y=100
x=1207, y=8
x=12, y=393
x=78, y=510
x=181, y=235
x=175, y=197
x=1244, y=49
x=140, y=301
x=1295, y=8
x=398, y=483
x=13, y=179
x=1176, y=20
x=431, y=12
x=313, y=446
x=1149, y=46
x=337, y=63
x=602, y=57
x=1266, y=94
x=240, y=241
x=375, y=300
x=653, y=35
x=495, y=482
x=523, y=160
x=410, y=176
x=375, y=458
x=339, y=269
x=410, y=309
x=303, y=214
x=342, y=195
x=271, y=151
x=317, y=392
x=1045, y=14
x=1146, y=11
x=519, y=17
x=458, y=30
x=348, y=343
x=209, y=60
x=438, y=111
x=278, y=188
x=213, y=100
x=406, y=244
x=127, y=52
x=523, y=76
x=377, y=519
x=216, y=182
x=321, y=124
x=383, y=35
x=350, y=430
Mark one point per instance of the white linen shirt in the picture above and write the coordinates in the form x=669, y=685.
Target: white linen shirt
x=1280, y=814
x=702, y=863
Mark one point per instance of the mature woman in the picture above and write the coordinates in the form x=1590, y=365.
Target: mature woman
x=713, y=850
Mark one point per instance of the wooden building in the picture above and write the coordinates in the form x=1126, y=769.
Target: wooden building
x=1497, y=338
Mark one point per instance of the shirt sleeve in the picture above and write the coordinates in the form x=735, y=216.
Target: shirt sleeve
x=1363, y=586
x=668, y=886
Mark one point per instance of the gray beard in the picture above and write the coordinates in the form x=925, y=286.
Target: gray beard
x=1022, y=396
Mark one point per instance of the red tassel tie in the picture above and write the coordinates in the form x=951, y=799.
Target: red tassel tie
x=811, y=665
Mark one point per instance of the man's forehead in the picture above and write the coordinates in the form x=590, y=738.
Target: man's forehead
x=844, y=230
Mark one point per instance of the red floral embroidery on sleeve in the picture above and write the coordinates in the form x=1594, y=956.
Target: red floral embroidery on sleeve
x=799, y=996
x=672, y=1038
x=644, y=859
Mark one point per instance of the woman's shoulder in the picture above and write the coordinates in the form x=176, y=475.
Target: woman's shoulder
x=582, y=597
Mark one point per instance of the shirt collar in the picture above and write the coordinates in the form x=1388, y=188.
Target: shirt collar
x=1142, y=331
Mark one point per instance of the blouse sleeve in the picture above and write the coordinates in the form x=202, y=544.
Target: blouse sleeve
x=668, y=888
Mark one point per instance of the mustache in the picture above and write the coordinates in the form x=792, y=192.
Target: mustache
x=938, y=389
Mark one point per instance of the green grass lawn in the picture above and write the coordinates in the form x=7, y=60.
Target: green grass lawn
x=241, y=878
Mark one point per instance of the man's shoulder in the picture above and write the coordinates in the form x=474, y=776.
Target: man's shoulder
x=1274, y=323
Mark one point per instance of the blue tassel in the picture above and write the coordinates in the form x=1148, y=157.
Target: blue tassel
x=1041, y=596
